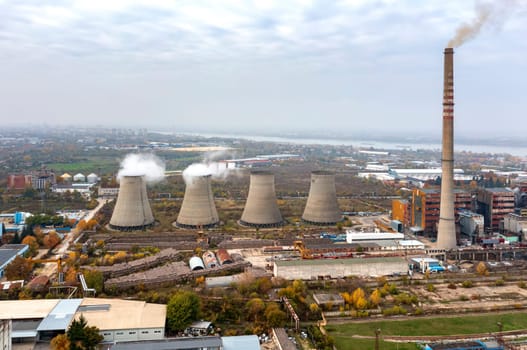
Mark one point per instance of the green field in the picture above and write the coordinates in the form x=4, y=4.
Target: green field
x=487, y=323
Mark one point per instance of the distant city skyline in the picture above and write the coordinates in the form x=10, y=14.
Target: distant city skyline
x=261, y=66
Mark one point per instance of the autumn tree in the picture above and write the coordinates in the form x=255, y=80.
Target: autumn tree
x=358, y=295
x=51, y=240
x=481, y=269
x=60, y=342
x=32, y=243
x=19, y=269
x=375, y=298
x=182, y=309
x=254, y=308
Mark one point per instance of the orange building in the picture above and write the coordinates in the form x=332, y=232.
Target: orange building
x=401, y=211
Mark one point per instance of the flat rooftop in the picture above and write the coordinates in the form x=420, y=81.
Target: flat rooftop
x=337, y=261
x=24, y=309
x=107, y=314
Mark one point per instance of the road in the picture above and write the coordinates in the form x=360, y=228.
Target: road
x=50, y=269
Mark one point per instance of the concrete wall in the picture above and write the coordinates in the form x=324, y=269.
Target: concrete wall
x=5, y=334
x=339, y=268
x=132, y=334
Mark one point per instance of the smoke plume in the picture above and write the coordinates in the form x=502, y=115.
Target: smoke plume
x=209, y=166
x=142, y=164
x=487, y=14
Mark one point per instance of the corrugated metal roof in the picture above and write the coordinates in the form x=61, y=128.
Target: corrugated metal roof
x=172, y=344
x=338, y=261
x=245, y=342
x=60, y=317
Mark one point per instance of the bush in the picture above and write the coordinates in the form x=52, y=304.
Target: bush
x=396, y=310
x=522, y=285
x=467, y=284
x=430, y=287
x=499, y=283
x=452, y=285
x=463, y=297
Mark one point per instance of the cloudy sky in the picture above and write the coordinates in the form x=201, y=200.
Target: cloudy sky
x=290, y=65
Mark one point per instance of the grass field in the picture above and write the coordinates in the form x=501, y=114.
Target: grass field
x=423, y=326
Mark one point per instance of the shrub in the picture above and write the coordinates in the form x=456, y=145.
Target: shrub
x=522, y=285
x=396, y=310
x=463, y=297
x=499, y=283
x=467, y=284
x=452, y=285
x=430, y=287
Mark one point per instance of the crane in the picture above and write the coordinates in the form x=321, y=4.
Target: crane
x=60, y=276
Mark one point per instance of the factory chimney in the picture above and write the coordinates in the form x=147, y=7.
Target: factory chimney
x=132, y=210
x=261, y=208
x=322, y=207
x=198, y=209
x=446, y=231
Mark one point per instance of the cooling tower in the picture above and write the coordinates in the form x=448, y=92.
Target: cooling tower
x=261, y=209
x=198, y=209
x=132, y=210
x=446, y=231
x=322, y=207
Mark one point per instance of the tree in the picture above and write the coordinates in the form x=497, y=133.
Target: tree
x=357, y=295
x=32, y=243
x=19, y=269
x=60, y=342
x=274, y=316
x=182, y=309
x=94, y=279
x=254, y=308
x=51, y=240
x=83, y=337
x=481, y=269
x=375, y=297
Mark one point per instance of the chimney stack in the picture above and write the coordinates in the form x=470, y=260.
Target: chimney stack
x=446, y=231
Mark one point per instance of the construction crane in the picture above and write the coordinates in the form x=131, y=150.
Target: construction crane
x=60, y=274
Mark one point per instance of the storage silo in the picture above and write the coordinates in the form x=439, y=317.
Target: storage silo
x=261, y=208
x=92, y=178
x=322, y=207
x=132, y=209
x=198, y=209
x=79, y=177
x=195, y=263
x=209, y=259
x=223, y=257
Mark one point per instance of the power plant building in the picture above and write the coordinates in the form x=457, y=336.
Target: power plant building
x=322, y=207
x=261, y=208
x=426, y=207
x=494, y=204
x=132, y=209
x=198, y=209
x=401, y=211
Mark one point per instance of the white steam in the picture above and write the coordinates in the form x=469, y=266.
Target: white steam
x=142, y=164
x=217, y=170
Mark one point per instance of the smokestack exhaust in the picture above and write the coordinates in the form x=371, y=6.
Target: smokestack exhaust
x=446, y=232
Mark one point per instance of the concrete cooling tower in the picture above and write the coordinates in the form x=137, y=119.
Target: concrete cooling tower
x=198, y=209
x=261, y=208
x=132, y=210
x=322, y=207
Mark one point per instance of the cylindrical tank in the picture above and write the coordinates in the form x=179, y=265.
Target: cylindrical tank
x=322, y=207
x=132, y=210
x=209, y=259
x=198, y=209
x=223, y=257
x=261, y=208
x=195, y=263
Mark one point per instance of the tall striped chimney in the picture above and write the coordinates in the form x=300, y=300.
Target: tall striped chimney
x=446, y=231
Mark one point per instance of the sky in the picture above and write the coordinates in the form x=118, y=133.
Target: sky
x=289, y=66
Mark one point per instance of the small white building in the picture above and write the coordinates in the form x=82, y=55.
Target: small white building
x=92, y=178
x=356, y=237
x=79, y=177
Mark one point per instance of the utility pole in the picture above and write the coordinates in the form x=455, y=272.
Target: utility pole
x=377, y=333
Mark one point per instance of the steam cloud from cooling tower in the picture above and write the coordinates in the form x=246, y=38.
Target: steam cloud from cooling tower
x=151, y=167
x=487, y=14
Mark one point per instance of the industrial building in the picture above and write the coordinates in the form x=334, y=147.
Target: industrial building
x=198, y=209
x=338, y=268
x=322, y=207
x=117, y=320
x=401, y=211
x=426, y=205
x=132, y=209
x=245, y=342
x=515, y=223
x=261, y=209
x=494, y=204
x=471, y=224
x=5, y=334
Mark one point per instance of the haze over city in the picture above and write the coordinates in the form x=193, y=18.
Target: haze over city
x=343, y=66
